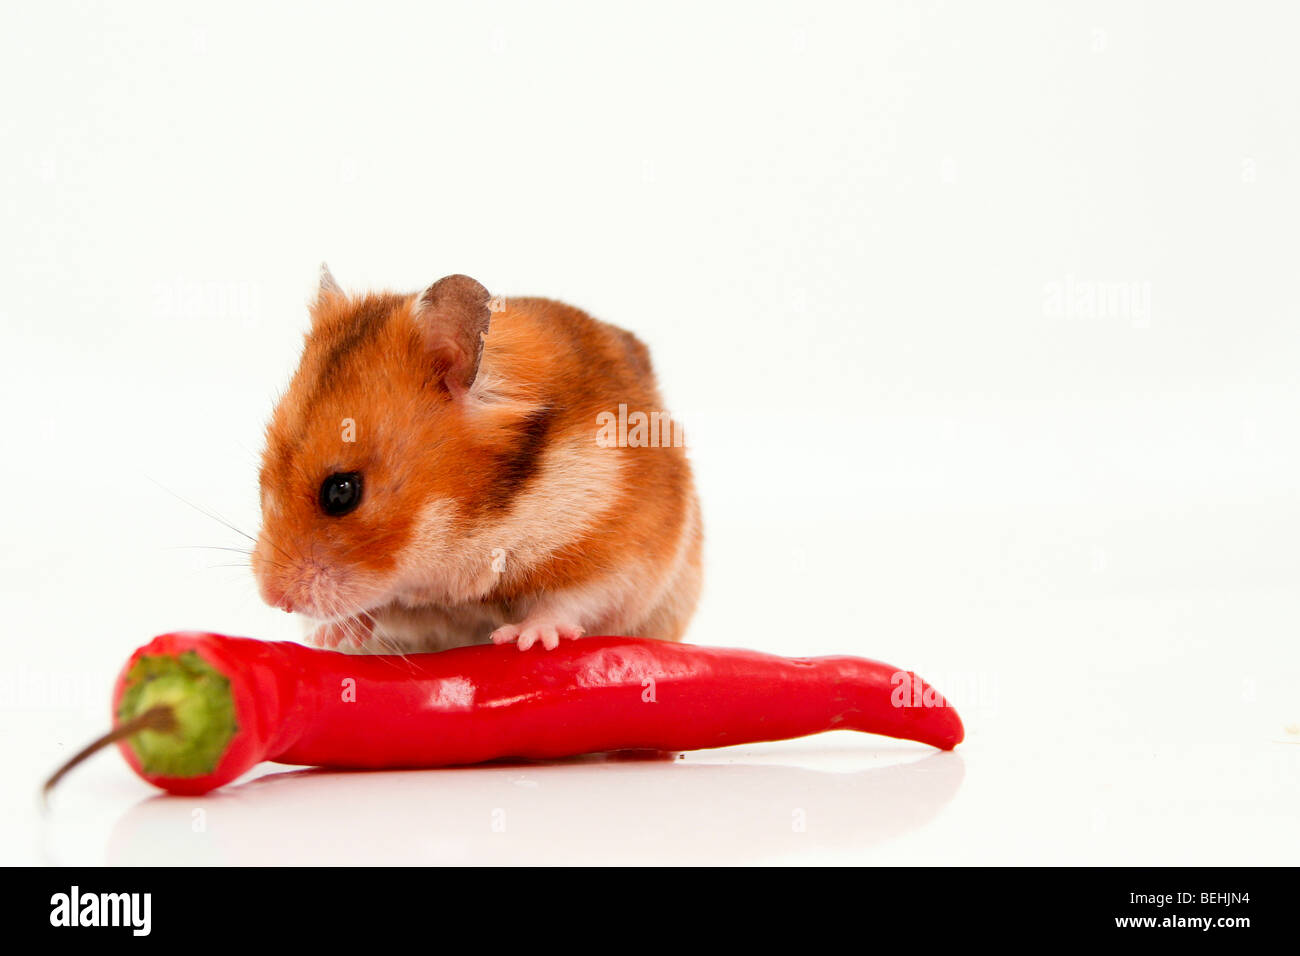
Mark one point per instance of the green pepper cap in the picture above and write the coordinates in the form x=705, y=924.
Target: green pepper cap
x=201, y=702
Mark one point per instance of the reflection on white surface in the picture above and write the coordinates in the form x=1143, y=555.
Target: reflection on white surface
x=740, y=807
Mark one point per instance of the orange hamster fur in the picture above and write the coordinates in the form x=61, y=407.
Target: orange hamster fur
x=434, y=475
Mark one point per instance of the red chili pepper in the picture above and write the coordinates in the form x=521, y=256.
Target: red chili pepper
x=194, y=711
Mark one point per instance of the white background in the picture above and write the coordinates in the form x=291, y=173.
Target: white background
x=860, y=240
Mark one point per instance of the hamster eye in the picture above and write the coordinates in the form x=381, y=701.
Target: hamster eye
x=340, y=493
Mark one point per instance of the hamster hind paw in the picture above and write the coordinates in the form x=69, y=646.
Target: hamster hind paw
x=547, y=633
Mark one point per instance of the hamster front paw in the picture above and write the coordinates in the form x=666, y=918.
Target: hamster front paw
x=348, y=634
x=530, y=632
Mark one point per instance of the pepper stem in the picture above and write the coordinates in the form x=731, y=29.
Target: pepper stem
x=160, y=718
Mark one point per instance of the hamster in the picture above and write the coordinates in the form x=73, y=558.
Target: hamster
x=444, y=469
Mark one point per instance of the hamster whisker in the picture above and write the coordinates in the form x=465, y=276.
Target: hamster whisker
x=217, y=518
x=203, y=511
x=207, y=547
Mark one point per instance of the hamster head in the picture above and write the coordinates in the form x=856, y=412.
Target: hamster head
x=379, y=420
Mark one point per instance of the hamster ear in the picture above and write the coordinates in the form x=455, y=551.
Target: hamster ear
x=453, y=316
